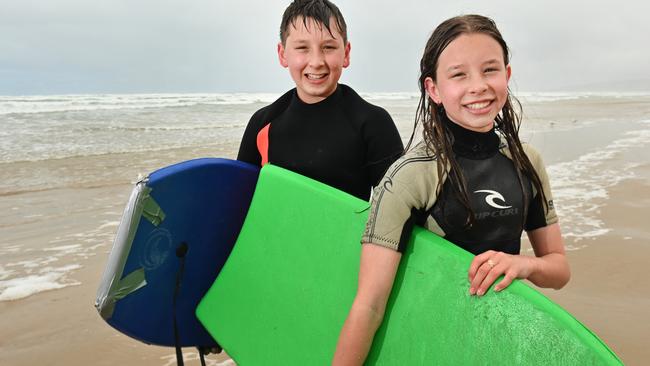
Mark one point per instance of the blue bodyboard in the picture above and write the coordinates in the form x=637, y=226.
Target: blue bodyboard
x=177, y=231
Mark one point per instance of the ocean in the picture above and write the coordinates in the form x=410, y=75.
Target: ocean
x=54, y=143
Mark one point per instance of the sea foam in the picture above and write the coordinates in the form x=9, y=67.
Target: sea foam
x=580, y=187
x=49, y=278
x=71, y=103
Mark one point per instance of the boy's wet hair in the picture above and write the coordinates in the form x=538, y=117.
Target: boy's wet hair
x=321, y=11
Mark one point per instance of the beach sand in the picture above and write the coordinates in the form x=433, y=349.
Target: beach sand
x=607, y=291
x=62, y=327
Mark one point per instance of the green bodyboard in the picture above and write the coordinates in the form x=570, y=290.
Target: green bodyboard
x=286, y=289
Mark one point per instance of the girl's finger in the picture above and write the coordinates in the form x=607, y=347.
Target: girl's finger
x=489, y=279
x=477, y=262
x=505, y=282
x=481, y=273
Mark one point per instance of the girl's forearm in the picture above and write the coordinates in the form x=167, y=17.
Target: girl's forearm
x=550, y=267
x=550, y=271
x=356, y=335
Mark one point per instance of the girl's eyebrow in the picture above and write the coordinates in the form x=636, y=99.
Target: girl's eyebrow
x=460, y=66
x=492, y=61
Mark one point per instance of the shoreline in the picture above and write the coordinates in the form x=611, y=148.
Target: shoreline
x=601, y=299
x=603, y=292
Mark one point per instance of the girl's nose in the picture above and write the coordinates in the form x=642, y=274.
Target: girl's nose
x=478, y=85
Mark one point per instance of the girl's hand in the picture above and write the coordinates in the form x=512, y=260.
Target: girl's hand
x=487, y=267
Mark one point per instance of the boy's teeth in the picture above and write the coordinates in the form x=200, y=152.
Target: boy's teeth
x=315, y=76
x=478, y=105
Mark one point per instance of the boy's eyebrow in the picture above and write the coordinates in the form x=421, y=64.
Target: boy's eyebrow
x=454, y=67
x=305, y=41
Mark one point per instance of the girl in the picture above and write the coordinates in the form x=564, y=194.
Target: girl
x=471, y=181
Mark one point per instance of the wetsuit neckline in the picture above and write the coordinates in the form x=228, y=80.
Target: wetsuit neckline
x=471, y=144
x=325, y=103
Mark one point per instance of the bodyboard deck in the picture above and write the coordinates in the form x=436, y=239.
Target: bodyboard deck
x=287, y=287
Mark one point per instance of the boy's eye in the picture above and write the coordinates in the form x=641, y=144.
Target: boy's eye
x=457, y=75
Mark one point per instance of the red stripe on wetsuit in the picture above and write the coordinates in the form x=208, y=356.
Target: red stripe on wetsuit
x=263, y=144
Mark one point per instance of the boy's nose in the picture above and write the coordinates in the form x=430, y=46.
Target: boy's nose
x=317, y=59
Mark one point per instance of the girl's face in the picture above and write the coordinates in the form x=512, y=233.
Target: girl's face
x=471, y=81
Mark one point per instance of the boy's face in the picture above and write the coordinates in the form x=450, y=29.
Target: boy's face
x=315, y=59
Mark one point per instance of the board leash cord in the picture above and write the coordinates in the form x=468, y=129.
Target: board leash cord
x=181, y=251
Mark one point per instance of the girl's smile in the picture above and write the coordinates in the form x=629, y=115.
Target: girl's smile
x=471, y=81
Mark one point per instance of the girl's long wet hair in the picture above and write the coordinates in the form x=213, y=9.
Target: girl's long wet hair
x=437, y=137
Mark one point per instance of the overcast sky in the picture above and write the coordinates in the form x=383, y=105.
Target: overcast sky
x=142, y=46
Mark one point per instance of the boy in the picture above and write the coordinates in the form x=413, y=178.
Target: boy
x=321, y=129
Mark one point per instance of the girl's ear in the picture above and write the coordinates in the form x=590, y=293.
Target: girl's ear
x=508, y=72
x=281, y=58
x=432, y=90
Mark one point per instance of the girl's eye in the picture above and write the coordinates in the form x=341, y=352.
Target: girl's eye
x=491, y=69
x=457, y=75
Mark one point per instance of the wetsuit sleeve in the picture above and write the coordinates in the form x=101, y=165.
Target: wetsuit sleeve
x=383, y=142
x=248, y=147
x=539, y=214
x=402, y=194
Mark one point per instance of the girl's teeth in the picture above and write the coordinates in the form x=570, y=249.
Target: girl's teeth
x=478, y=105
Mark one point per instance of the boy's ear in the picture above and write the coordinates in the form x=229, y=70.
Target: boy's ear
x=283, y=60
x=346, y=61
x=432, y=90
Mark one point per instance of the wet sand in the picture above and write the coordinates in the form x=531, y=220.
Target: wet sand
x=62, y=327
x=607, y=293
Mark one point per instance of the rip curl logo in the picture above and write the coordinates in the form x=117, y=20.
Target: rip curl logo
x=156, y=249
x=494, y=195
x=388, y=184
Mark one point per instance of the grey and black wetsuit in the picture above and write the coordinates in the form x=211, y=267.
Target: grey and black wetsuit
x=407, y=196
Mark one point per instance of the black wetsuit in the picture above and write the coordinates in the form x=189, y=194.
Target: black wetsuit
x=495, y=195
x=342, y=141
x=408, y=195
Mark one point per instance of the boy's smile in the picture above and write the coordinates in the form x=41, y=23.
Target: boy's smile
x=315, y=58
